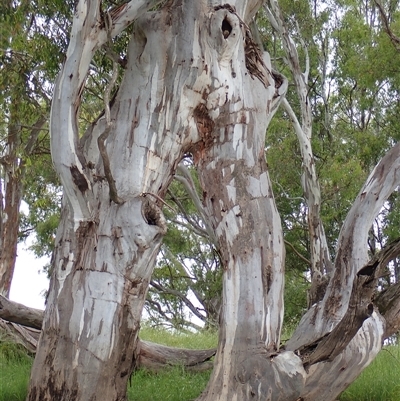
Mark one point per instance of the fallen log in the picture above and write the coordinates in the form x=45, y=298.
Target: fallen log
x=20, y=314
x=22, y=324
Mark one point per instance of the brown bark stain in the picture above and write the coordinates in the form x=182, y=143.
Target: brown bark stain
x=205, y=126
x=116, y=235
x=86, y=244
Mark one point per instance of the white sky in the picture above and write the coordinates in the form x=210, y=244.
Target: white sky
x=29, y=281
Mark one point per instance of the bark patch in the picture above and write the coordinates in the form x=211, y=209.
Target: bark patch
x=205, y=126
x=86, y=243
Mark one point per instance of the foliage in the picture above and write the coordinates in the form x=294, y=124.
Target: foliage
x=187, y=280
x=33, y=41
x=353, y=100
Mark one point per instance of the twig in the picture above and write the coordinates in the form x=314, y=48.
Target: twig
x=144, y=194
x=297, y=252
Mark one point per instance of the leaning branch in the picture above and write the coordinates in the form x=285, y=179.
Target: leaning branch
x=352, y=251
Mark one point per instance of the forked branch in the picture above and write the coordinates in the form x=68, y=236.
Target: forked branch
x=360, y=308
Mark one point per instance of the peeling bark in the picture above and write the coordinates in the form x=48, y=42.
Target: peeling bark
x=25, y=336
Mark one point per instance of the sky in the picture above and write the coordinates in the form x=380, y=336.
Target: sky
x=29, y=281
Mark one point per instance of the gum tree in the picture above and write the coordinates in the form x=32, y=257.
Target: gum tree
x=194, y=83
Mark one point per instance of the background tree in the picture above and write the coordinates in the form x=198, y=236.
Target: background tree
x=30, y=53
x=185, y=290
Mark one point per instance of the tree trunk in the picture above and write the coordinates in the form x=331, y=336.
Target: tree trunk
x=9, y=211
x=105, y=251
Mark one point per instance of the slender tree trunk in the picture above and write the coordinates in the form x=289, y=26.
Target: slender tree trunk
x=10, y=209
x=319, y=251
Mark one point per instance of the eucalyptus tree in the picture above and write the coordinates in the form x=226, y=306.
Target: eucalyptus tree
x=194, y=83
x=29, y=57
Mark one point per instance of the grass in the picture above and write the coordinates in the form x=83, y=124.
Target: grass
x=379, y=382
x=203, y=340
x=174, y=384
x=15, y=366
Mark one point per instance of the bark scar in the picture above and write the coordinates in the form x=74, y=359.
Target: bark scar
x=79, y=179
x=152, y=214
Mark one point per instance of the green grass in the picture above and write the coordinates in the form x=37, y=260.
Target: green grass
x=15, y=366
x=174, y=384
x=380, y=381
x=203, y=340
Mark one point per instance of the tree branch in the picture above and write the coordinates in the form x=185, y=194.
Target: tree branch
x=20, y=314
x=298, y=253
x=178, y=294
x=360, y=308
x=187, y=181
x=352, y=253
x=393, y=38
x=320, y=258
